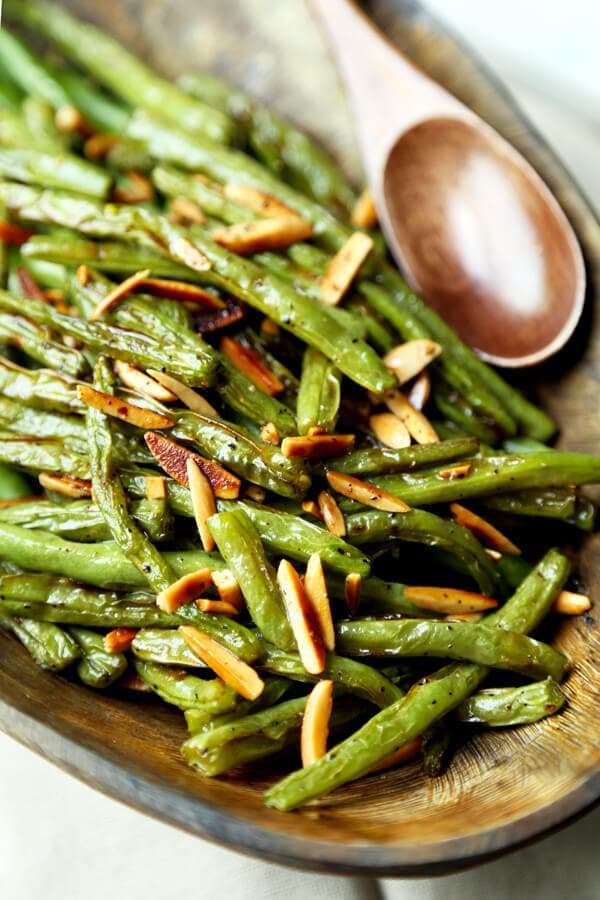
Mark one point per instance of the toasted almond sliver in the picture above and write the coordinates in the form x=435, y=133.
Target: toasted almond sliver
x=156, y=487
x=315, y=722
x=456, y=472
x=311, y=509
x=331, y=514
x=184, y=251
x=83, y=275
x=352, y=586
x=571, y=604
x=364, y=214
x=66, y=485
x=408, y=359
x=366, y=493
x=420, y=390
x=182, y=290
x=269, y=433
x=464, y=617
x=252, y=366
x=493, y=554
x=266, y=205
x=268, y=326
x=135, y=188
x=139, y=381
x=313, y=446
x=233, y=670
x=120, y=409
x=218, y=607
x=419, y=427
x=190, y=398
x=227, y=587
x=184, y=211
x=70, y=120
x=131, y=681
x=173, y=459
x=449, y=601
x=29, y=285
x=390, y=430
x=483, y=529
x=255, y=492
x=119, y=640
x=402, y=755
x=120, y=291
x=344, y=267
x=184, y=590
x=316, y=591
x=98, y=145
x=203, y=502
x=264, y=234
x=303, y=619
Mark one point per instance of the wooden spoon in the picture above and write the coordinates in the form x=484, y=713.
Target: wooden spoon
x=469, y=221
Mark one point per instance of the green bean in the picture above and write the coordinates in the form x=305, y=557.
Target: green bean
x=97, y=107
x=198, y=720
x=97, y=668
x=382, y=460
x=550, y=503
x=42, y=455
x=39, y=388
x=43, y=424
x=500, y=707
x=65, y=172
x=46, y=274
x=35, y=342
x=244, y=397
x=10, y=95
x=28, y=73
x=381, y=598
x=51, y=646
x=187, y=691
x=39, y=118
x=435, y=748
x=319, y=394
x=584, y=516
x=12, y=484
x=250, y=339
x=456, y=410
x=165, y=646
x=522, y=445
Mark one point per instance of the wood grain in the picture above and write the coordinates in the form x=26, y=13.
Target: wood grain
x=503, y=788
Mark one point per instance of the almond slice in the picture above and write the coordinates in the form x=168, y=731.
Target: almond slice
x=390, y=430
x=29, y=285
x=268, y=326
x=184, y=211
x=315, y=722
x=493, y=554
x=119, y=291
x=449, y=601
x=66, y=485
x=419, y=427
x=192, y=399
x=252, y=366
x=403, y=754
x=210, y=320
x=255, y=492
x=365, y=492
x=331, y=514
x=266, y=205
x=264, y=234
x=316, y=591
x=203, y=501
x=302, y=618
x=456, y=472
x=182, y=290
x=119, y=640
x=464, y=617
x=139, y=381
x=98, y=145
x=184, y=251
x=352, y=586
x=233, y=670
x=483, y=529
x=420, y=390
x=134, y=188
x=83, y=275
x=217, y=607
x=408, y=359
x=71, y=120
x=173, y=459
x=313, y=446
x=344, y=266
x=131, y=681
x=184, y=590
x=311, y=509
x=227, y=587
x=571, y=604
x=156, y=487
x=269, y=434
x=120, y=409
x=364, y=213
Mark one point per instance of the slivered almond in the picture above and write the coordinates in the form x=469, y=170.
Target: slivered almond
x=248, y=362
x=139, y=381
x=264, y=234
x=344, y=267
x=203, y=501
x=449, y=601
x=183, y=211
x=119, y=640
x=190, y=398
x=29, y=285
x=316, y=591
x=218, y=607
x=420, y=390
x=493, y=554
x=233, y=670
x=352, y=586
x=254, y=492
x=268, y=326
x=303, y=619
x=390, y=430
x=464, y=617
x=571, y=604
x=66, y=484
x=456, y=472
x=156, y=487
x=131, y=681
x=71, y=120
x=313, y=446
x=315, y=722
x=266, y=205
x=14, y=235
x=173, y=459
x=134, y=188
x=419, y=427
x=120, y=291
x=210, y=320
x=182, y=290
x=187, y=253
x=364, y=214
x=83, y=275
x=185, y=590
x=120, y=409
x=331, y=514
x=365, y=492
x=408, y=359
x=401, y=755
x=269, y=433
x=311, y=509
x=227, y=587
x=98, y=145
x=483, y=529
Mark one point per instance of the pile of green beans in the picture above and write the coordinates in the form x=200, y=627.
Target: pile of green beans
x=86, y=547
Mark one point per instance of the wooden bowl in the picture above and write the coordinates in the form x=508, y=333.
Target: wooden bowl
x=503, y=788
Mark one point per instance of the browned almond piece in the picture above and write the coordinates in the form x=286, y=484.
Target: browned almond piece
x=464, y=617
x=331, y=514
x=66, y=484
x=365, y=492
x=315, y=430
x=55, y=296
x=182, y=290
x=184, y=211
x=248, y=362
x=408, y=359
x=571, y=604
x=313, y=446
x=315, y=722
x=218, y=607
x=303, y=619
x=227, y=587
x=97, y=146
x=120, y=409
x=135, y=189
x=173, y=459
x=254, y=492
x=210, y=320
x=266, y=205
x=14, y=501
x=131, y=681
x=419, y=427
x=264, y=234
x=139, y=381
x=364, y=214
x=184, y=590
x=70, y=120
x=316, y=591
x=352, y=586
x=402, y=755
x=268, y=326
x=29, y=285
x=83, y=275
x=311, y=509
x=118, y=292
x=455, y=472
x=449, y=601
x=233, y=670
x=119, y=640
x=190, y=398
x=186, y=252
x=156, y=487
x=203, y=501
x=344, y=267
x=269, y=433
x=493, y=554
x=14, y=235
x=420, y=390
x=390, y=430
x=483, y=529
